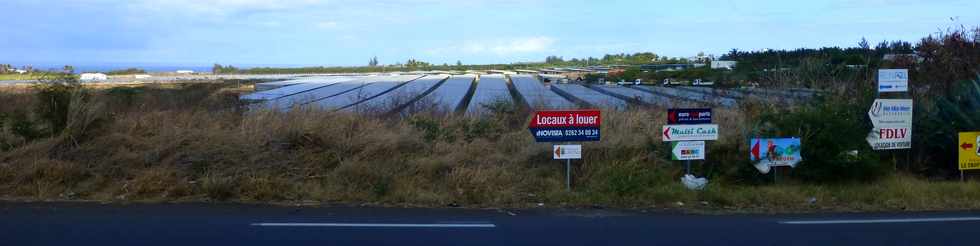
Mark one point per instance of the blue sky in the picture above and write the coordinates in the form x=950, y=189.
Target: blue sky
x=345, y=32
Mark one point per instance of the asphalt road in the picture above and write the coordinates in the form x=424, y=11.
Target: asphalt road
x=210, y=224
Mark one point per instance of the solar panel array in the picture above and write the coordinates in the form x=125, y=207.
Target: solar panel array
x=538, y=95
x=358, y=94
x=472, y=94
x=688, y=95
x=631, y=94
x=292, y=87
x=450, y=94
x=399, y=96
x=489, y=89
x=590, y=96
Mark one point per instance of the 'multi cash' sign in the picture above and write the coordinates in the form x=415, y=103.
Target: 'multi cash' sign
x=892, y=120
x=690, y=132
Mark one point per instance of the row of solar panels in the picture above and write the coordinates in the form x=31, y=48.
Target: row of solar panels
x=476, y=94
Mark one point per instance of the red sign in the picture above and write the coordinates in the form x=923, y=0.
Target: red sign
x=566, y=118
x=893, y=133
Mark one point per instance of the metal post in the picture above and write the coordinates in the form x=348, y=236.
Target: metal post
x=568, y=174
x=688, y=166
x=775, y=174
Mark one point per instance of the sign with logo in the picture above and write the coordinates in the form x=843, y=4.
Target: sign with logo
x=892, y=120
x=701, y=132
x=893, y=80
x=567, y=152
x=969, y=148
x=687, y=150
x=688, y=116
x=565, y=125
x=770, y=152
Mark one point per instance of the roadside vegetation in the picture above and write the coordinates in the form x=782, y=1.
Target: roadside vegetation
x=60, y=140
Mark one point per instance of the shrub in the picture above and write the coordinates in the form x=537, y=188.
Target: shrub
x=828, y=129
x=935, y=137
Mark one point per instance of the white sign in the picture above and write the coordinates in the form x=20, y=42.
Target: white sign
x=687, y=150
x=892, y=120
x=690, y=132
x=566, y=152
x=893, y=80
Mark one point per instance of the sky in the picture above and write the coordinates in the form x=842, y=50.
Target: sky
x=349, y=33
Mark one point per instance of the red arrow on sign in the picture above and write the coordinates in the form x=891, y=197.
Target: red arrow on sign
x=558, y=152
x=966, y=146
x=667, y=133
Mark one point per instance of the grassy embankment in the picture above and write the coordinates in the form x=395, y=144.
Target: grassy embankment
x=17, y=76
x=193, y=142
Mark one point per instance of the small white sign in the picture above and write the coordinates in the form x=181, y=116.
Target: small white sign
x=687, y=150
x=893, y=80
x=566, y=152
x=690, y=132
x=892, y=121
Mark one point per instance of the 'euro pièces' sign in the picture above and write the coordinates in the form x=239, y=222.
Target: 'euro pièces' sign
x=565, y=125
x=688, y=116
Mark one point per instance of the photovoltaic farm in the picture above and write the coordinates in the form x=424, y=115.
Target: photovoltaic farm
x=475, y=94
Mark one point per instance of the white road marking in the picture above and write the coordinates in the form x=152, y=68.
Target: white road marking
x=875, y=221
x=484, y=225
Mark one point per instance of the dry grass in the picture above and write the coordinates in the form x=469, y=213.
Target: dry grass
x=193, y=143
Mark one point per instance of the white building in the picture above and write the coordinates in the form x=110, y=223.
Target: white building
x=723, y=65
x=142, y=76
x=185, y=71
x=20, y=71
x=93, y=77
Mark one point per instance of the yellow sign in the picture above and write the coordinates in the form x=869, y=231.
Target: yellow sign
x=969, y=148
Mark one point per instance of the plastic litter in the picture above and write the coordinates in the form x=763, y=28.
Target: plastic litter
x=694, y=183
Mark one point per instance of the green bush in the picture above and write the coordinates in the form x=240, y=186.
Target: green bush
x=936, y=134
x=829, y=130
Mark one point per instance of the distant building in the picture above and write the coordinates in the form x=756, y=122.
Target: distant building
x=93, y=77
x=185, y=71
x=666, y=67
x=142, y=76
x=20, y=71
x=723, y=65
x=896, y=57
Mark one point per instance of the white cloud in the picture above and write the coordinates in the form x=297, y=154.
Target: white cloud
x=219, y=8
x=501, y=47
x=326, y=24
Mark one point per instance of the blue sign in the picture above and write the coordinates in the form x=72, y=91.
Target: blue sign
x=688, y=116
x=565, y=134
x=769, y=152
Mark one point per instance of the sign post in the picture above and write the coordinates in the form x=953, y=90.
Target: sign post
x=566, y=126
x=686, y=130
x=567, y=152
x=892, y=118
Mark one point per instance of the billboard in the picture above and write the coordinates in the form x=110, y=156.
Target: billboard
x=567, y=152
x=969, y=149
x=893, y=80
x=690, y=132
x=687, y=150
x=769, y=152
x=688, y=116
x=892, y=121
x=565, y=125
